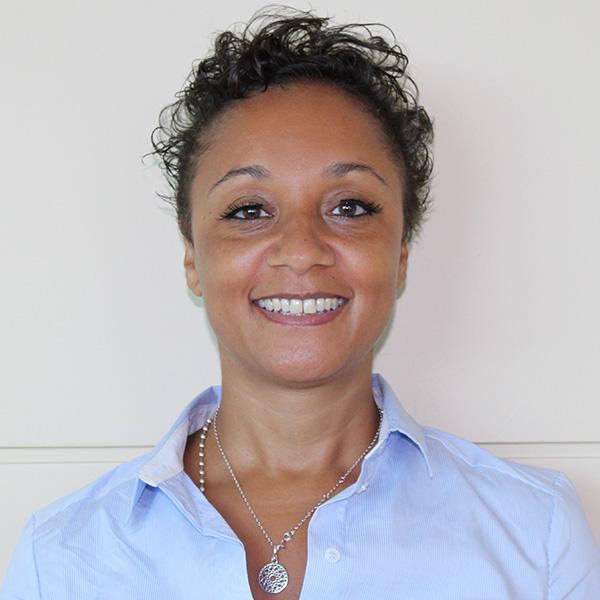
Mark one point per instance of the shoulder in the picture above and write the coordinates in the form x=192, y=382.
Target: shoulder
x=53, y=536
x=451, y=452
x=115, y=489
x=539, y=502
x=119, y=489
x=537, y=506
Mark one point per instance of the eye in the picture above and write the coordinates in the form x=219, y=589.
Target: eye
x=247, y=212
x=355, y=208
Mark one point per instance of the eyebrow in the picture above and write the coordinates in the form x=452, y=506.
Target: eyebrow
x=255, y=171
x=340, y=169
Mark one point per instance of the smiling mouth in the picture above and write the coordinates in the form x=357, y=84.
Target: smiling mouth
x=300, y=307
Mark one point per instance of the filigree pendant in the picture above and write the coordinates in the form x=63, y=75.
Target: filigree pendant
x=273, y=578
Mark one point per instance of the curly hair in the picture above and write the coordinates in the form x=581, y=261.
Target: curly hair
x=289, y=46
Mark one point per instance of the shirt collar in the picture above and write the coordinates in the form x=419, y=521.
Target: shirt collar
x=396, y=419
x=166, y=460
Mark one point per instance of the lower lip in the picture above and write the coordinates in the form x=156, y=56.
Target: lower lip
x=301, y=320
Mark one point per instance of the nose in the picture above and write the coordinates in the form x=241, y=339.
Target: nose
x=301, y=243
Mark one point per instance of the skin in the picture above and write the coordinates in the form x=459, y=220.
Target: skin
x=297, y=407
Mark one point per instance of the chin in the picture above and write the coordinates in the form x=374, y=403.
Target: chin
x=309, y=371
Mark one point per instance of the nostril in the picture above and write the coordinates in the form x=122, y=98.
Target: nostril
x=301, y=252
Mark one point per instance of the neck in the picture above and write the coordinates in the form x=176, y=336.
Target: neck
x=296, y=428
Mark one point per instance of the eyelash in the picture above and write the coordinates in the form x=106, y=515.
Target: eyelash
x=369, y=208
x=233, y=211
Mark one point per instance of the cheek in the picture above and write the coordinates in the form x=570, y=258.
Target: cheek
x=225, y=267
x=377, y=264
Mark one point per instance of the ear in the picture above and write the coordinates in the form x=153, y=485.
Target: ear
x=191, y=274
x=403, y=265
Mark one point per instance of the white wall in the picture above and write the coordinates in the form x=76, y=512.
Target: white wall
x=496, y=337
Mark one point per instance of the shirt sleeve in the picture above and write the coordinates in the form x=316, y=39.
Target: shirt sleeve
x=573, y=555
x=21, y=582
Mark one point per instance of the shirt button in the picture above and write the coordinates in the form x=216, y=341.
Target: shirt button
x=332, y=555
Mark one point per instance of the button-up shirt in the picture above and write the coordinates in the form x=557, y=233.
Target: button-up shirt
x=430, y=517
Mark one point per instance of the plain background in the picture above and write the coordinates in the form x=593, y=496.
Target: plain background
x=496, y=337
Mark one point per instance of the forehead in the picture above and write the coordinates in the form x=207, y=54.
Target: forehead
x=302, y=126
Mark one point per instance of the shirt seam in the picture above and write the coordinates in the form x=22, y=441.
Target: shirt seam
x=344, y=516
x=35, y=565
x=550, y=532
x=357, y=497
x=492, y=468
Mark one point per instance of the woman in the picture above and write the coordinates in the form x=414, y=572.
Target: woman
x=299, y=161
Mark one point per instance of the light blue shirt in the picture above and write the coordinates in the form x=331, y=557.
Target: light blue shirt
x=431, y=517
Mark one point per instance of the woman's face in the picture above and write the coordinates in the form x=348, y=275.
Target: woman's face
x=296, y=209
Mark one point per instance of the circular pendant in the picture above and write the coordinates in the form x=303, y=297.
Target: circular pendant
x=273, y=578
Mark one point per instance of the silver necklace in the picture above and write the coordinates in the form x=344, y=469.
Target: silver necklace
x=273, y=577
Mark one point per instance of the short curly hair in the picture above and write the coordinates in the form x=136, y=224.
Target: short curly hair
x=289, y=46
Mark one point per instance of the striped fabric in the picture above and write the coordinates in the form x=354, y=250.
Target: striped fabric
x=430, y=517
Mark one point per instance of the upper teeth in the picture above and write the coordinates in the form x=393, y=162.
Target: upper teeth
x=296, y=306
